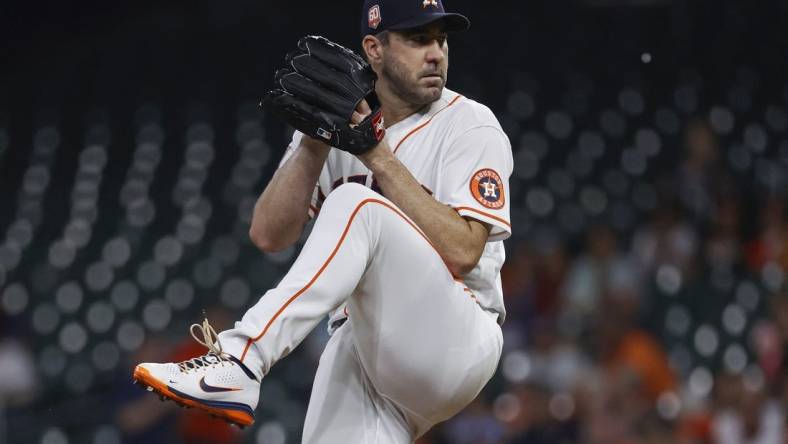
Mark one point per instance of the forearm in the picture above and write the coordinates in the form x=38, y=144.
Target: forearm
x=454, y=237
x=282, y=209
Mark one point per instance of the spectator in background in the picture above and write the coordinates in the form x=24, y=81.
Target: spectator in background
x=628, y=352
x=751, y=418
x=771, y=243
x=475, y=425
x=536, y=422
x=532, y=278
x=20, y=383
x=770, y=338
x=700, y=173
x=723, y=245
x=694, y=428
x=632, y=373
x=602, y=266
x=666, y=239
x=556, y=362
x=609, y=410
x=782, y=398
x=143, y=419
x=518, y=281
x=18, y=375
x=550, y=268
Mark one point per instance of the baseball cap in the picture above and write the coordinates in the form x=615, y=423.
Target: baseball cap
x=382, y=15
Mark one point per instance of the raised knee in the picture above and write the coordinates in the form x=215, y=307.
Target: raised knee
x=352, y=188
x=349, y=194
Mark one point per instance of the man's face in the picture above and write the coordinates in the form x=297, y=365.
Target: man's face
x=415, y=63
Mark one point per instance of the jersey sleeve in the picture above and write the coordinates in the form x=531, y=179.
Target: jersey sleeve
x=324, y=181
x=475, y=178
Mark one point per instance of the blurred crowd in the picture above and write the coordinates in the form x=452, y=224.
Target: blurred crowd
x=646, y=281
x=675, y=332
x=599, y=336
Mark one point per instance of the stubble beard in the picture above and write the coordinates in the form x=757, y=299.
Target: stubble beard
x=405, y=86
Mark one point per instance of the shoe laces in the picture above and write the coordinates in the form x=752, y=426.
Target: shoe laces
x=210, y=340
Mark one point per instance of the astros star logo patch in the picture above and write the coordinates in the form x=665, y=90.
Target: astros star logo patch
x=487, y=188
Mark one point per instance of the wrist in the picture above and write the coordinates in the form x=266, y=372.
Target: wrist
x=377, y=157
x=315, y=146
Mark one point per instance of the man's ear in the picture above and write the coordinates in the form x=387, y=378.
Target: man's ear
x=373, y=48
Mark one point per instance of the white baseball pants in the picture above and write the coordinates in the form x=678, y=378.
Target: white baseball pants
x=416, y=348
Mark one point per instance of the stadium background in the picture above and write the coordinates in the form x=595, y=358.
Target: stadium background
x=646, y=277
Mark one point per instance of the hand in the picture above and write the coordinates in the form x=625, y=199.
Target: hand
x=319, y=147
x=361, y=113
x=320, y=94
x=376, y=155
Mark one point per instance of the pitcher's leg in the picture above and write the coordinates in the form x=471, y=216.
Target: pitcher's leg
x=325, y=273
x=422, y=339
x=226, y=381
x=328, y=269
x=343, y=407
x=422, y=342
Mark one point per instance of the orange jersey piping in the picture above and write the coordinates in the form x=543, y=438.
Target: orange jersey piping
x=499, y=219
x=425, y=123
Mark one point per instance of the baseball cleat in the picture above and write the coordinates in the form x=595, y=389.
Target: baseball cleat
x=216, y=382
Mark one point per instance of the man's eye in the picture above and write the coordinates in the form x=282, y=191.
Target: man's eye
x=426, y=39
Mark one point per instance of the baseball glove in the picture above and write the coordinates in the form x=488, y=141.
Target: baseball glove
x=320, y=88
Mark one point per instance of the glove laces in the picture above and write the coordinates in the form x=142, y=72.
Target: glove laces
x=210, y=339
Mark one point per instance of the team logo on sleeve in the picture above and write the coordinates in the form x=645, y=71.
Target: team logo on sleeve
x=487, y=188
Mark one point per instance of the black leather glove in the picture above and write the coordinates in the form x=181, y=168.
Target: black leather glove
x=321, y=87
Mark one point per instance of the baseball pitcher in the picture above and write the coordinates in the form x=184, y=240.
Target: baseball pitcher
x=408, y=184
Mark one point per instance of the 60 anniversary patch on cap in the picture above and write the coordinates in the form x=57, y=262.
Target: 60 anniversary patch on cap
x=374, y=17
x=381, y=15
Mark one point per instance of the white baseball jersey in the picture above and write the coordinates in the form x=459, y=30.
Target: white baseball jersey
x=458, y=152
x=418, y=344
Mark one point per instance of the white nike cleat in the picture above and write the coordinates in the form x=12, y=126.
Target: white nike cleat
x=215, y=382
